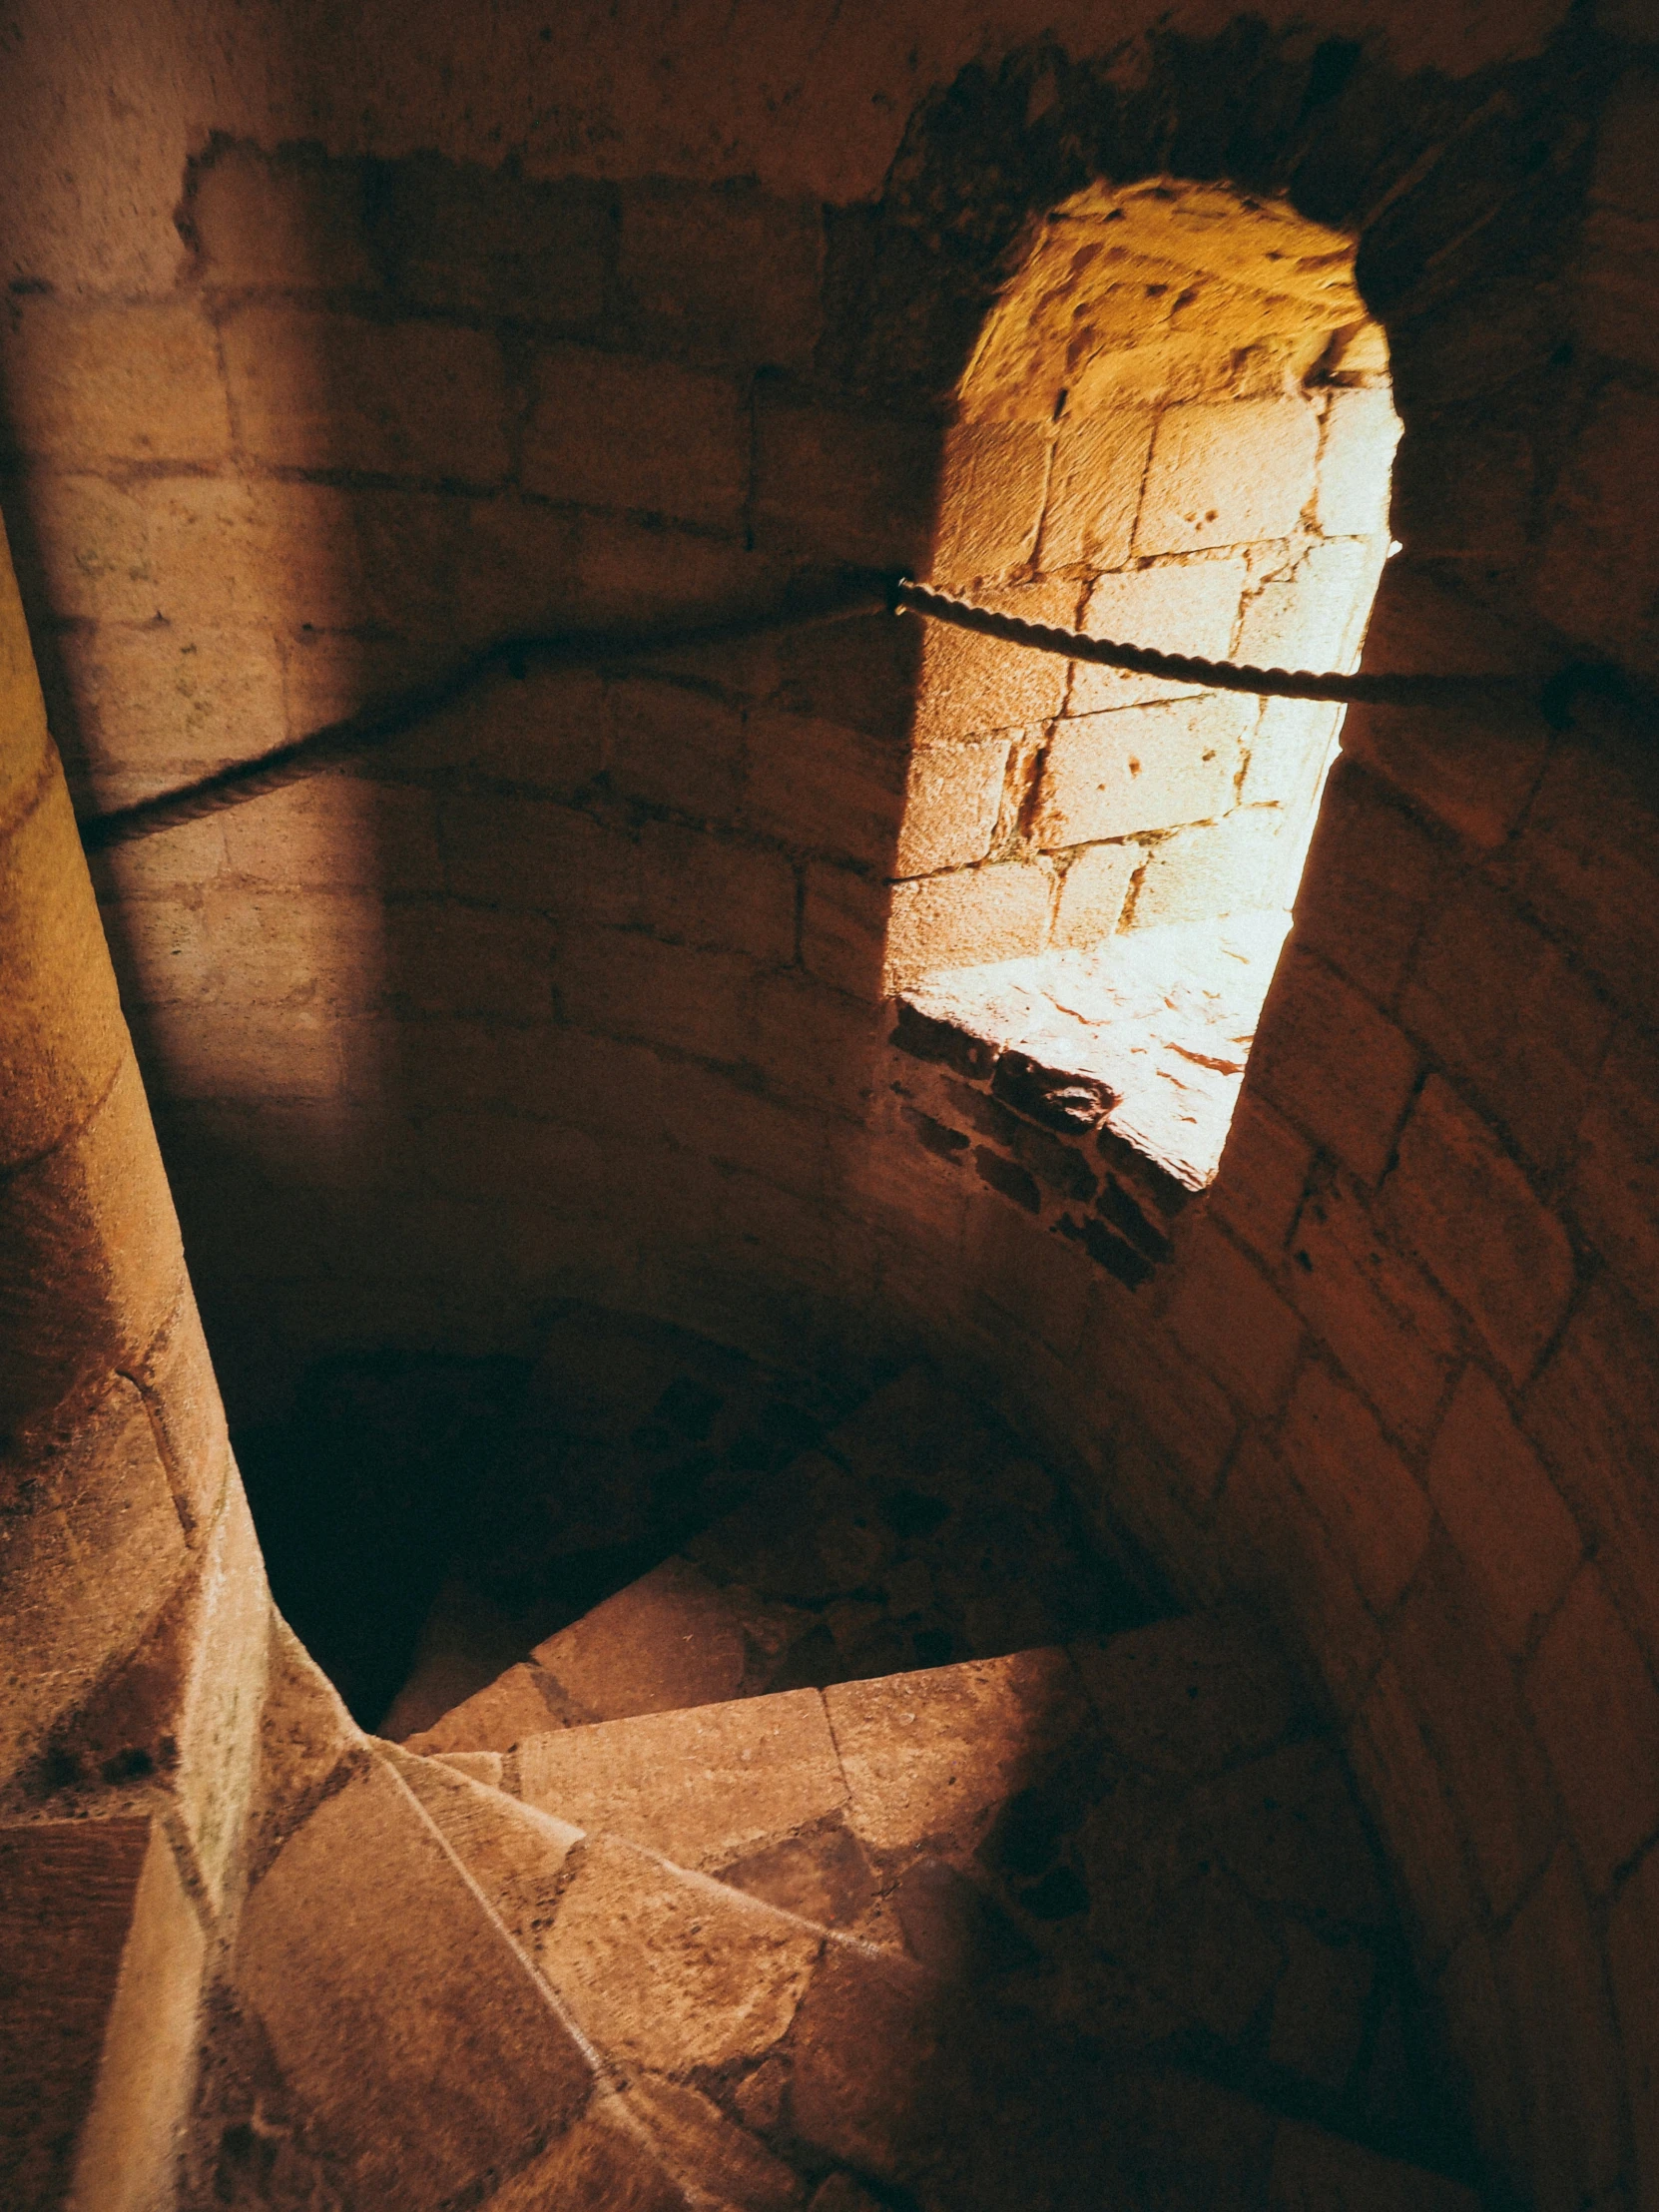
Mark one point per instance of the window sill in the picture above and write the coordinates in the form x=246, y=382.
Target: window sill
x=1093, y=1089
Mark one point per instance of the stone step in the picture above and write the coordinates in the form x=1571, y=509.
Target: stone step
x=884, y=1551
x=1140, y=1842
x=766, y=2061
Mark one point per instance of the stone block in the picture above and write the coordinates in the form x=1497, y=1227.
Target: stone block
x=696, y=2139
x=533, y=856
x=182, y=1708
x=1598, y=577
x=493, y=1719
x=825, y=787
x=1615, y=1174
x=930, y=1759
x=670, y=1639
x=1187, y=1697
x=618, y=984
x=846, y=488
x=162, y=706
x=103, y=1960
x=816, y=1047
x=490, y=243
x=93, y=1261
x=1401, y=1779
x=1598, y=1714
x=705, y=1787
x=877, y=2119
x=1093, y=892
x=967, y=916
x=1586, y=862
x=1227, y=474
x=1470, y=1216
x=1279, y=1554
x=1373, y=877
x=1038, y=1286
x=62, y=1038
x=1330, y=1062
x=1356, y=452
x=504, y=1158
x=516, y=1854
x=968, y=687
x=952, y=798
x=717, y=892
x=334, y=832
x=516, y=570
x=291, y=947
x=90, y=551
x=635, y=571
x=1188, y=1418
x=1633, y=1961
x=602, y=2162
x=230, y=1056
x=212, y=552
x=128, y=384
x=1473, y=769
x=1380, y=1316
x=1234, y=1322
x=990, y=501
x=1503, y=1012
x=1306, y=604
x=723, y=276
x=619, y=431
x=1551, y=1970
x=1247, y=863
x=328, y=392
x=1356, y=1484
x=1288, y=1825
x=1288, y=754
x=1517, y=1536
x=674, y=746
x=1458, y=1683
x=284, y=222
x=1145, y=767
x=1177, y=607
x=1094, y=489
x=1263, y=1174
x=844, y=929
x=670, y=1971
x=366, y=1934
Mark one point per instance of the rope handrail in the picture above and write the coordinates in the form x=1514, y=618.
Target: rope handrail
x=855, y=593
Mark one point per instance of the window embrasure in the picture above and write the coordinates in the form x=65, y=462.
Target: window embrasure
x=1175, y=429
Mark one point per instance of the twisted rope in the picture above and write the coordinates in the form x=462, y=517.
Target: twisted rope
x=1188, y=668
x=854, y=595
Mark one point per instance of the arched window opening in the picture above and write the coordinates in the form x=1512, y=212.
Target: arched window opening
x=1175, y=429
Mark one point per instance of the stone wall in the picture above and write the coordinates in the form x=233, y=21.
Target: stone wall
x=1174, y=429
x=585, y=988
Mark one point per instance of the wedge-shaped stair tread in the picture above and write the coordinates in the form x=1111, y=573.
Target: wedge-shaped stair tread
x=886, y=1547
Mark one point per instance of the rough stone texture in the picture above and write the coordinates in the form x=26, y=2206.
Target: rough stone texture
x=361, y=1908
x=1465, y=150
x=963, y=1743
x=703, y=1788
x=670, y=1971
x=97, y=1933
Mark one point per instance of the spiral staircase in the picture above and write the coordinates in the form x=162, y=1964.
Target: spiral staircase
x=687, y=1911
